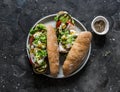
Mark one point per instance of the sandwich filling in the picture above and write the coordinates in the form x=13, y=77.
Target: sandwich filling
x=37, y=47
x=66, y=32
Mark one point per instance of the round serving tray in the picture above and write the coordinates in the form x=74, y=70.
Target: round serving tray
x=49, y=20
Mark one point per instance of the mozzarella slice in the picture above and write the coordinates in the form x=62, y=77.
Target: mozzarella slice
x=61, y=49
x=40, y=61
x=68, y=46
x=37, y=34
x=73, y=32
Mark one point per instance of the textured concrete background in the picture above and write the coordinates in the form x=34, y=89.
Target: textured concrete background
x=102, y=72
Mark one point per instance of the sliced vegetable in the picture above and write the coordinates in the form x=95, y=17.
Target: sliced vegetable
x=58, y=23
x=56, y=18
x=31, y=40
x=38, y=44
x=64, y=23
x=37, y=28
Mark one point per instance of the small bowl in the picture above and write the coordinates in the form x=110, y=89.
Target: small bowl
x=98, y=18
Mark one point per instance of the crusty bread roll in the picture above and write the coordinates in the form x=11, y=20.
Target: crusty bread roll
x=77, y=52
x=52, y=49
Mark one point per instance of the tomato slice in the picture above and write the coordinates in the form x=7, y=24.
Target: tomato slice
x=31, y=40
x=58, y=24
x=30, y=61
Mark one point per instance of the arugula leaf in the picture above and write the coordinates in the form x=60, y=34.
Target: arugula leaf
x=44, y=52
x=35, y=41
x=32, y=31
x=43, y=38
x=56, y=18
x=41, y=26
x=70, y=40
x=40, y=54
x=37, y=28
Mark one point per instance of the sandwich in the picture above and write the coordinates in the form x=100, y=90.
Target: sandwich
x=38, y=48
x=77, y=53
x=41, y=55
x=66, y=32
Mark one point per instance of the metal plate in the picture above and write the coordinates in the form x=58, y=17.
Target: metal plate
x=49, y=20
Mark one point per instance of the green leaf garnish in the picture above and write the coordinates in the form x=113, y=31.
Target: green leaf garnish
x=40, y=54
x=38, y=27
x=41, y=27
x=56, y=18
x=32, y=31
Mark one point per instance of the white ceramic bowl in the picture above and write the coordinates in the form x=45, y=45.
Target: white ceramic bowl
x=98, y=18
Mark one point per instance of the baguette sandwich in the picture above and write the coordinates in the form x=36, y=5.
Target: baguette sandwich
x=77, y=53
x=44, y=49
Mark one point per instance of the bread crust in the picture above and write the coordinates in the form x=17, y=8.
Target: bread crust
x=77, y=52
x=52, y=49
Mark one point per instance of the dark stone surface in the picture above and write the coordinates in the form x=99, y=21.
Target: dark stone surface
x=102, y=72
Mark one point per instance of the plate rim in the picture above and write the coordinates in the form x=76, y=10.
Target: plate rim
x=79, y=68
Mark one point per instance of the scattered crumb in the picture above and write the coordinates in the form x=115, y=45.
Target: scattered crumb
x=3, y=86
x=113, y=39
x=118, y=0
x=36, y=0
x=68, y=89
x=110, y=88
x=18, y=84
x=107, y=53
x=45, y=8
x=16, y=87
x=5, y=57
x=11, y=55
x=104, y=1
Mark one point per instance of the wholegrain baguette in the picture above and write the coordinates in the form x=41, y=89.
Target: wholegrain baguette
x=77, y=53
x=52, y=49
